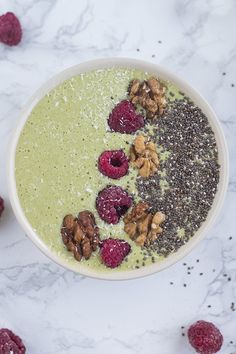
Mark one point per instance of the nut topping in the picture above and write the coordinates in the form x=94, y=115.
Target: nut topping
x=69, y=222
x=80, y=235
x=86, y=247
x=150, y=95
x=142, y=226
x=143, y=155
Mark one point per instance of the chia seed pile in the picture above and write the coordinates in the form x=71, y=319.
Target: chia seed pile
x=191, y=171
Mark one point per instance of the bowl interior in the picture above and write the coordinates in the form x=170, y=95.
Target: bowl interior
x=165, y=75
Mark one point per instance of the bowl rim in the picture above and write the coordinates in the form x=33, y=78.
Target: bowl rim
x=164, y=74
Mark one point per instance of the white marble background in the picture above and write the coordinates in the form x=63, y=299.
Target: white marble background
x=54, y=310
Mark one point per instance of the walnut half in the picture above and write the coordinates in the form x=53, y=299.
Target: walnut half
x=143, y=155
x=150, y=95
x=142, y=226
x=80, y=235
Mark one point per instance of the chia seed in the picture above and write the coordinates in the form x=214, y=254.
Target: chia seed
x=191, y=173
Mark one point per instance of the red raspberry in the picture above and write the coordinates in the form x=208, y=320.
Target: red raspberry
x=10, y=29
x=205, y=337
x=10, y=343
x=112, y=202
x=1, y=208
x=124, y=119
x=113, y=164
x=113, y=252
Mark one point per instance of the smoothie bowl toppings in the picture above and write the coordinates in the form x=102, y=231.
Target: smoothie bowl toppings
x=113, y=164
x=143, y=155
x=149, y=94
x=139, y=159
x=112, y=203
x=80, y=235
x=142, y=226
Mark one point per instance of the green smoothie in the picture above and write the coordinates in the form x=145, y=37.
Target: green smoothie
x=57, y=153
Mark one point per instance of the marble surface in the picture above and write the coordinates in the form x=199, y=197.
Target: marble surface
x=54, y=310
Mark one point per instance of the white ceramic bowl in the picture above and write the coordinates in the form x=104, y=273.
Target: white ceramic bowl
x=163, y=74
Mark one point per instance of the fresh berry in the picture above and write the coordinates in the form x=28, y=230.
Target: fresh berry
x=113, y=251
x=205, y=337
x=1, y=208
x=113, y=202
x=10, y=29
x=113, y=164
x=124, y=119
x=10, y=343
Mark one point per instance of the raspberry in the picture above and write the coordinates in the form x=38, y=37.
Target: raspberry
x=113, y=164
x=205, y=337
x=1, y=206
x=10, y=343
x=10, y=29
x=113, y=251
x=111, y=203
x=124, y=119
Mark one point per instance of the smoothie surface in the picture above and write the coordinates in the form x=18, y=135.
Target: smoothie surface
x=56, y=159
